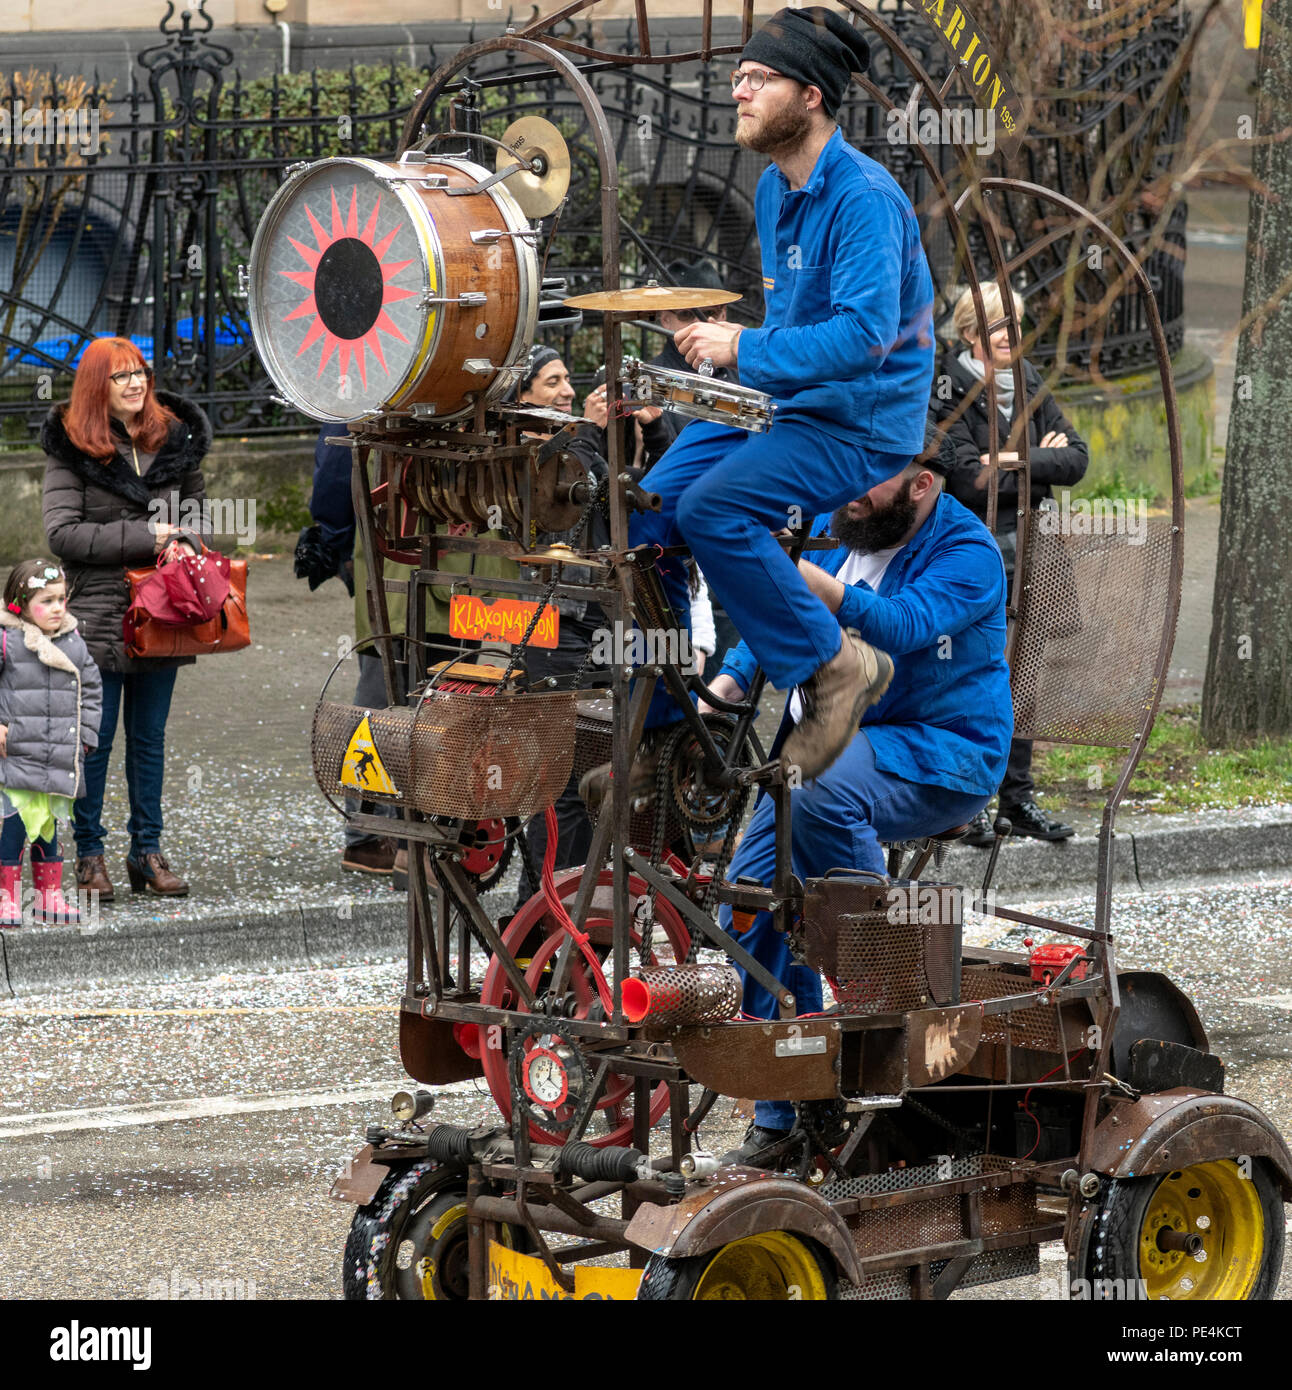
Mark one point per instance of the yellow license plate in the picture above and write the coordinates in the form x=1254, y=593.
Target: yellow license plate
x=513, y=1276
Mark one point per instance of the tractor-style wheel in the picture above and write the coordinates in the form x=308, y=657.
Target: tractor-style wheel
x=1144, y=1229
x=410, y=1241
x=771, y=1267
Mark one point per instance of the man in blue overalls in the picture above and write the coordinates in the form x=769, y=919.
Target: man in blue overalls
x=917, y=574
x=846, y=351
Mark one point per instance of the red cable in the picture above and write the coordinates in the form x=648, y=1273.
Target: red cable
x=1022, y=1105
x=563, y=918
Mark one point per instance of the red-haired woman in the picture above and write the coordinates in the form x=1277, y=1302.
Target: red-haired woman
x=120, y=456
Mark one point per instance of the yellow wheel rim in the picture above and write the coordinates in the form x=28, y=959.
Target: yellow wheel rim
x=774, y=1266
x=442, y=1227
x=1215, y=1202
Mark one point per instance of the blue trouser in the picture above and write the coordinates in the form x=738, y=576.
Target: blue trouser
x=13, y=836
x=837, y=821
x=146, y=697
x=724, y=491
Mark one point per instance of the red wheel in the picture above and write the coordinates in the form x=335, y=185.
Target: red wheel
x=534, y=925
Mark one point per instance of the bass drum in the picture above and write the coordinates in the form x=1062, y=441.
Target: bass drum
x=375, y=290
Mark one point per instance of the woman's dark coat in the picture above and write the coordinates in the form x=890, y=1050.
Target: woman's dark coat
x=97, y=519
x=1050, y=467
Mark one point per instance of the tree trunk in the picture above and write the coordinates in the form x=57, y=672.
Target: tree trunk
x=1248, y=690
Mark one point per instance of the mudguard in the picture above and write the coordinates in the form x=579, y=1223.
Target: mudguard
x=742, y=1202
x=1173, y=1129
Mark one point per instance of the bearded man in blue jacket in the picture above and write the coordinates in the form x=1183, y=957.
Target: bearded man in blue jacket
x=845, y=350
x=919, y=575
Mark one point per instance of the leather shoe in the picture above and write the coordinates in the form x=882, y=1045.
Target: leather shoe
x=92, y=877
x=1028, y=819
x=834, y=699
x=399, y=874
x=151, y=873
x=760, y=1148
x=980, y=832
x=370, y=856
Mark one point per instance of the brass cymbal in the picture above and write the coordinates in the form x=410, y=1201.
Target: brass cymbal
x=532, y=137
x=651, y=299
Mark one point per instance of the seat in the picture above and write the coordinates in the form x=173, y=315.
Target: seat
x=922, y=850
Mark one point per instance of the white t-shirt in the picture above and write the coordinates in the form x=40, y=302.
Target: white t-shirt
x=860, y=567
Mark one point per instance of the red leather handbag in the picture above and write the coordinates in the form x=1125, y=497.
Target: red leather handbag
x=191, y=605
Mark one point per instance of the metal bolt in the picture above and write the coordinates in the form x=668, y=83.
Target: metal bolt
x=1089, y=1185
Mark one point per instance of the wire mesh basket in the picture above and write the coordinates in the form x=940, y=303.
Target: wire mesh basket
x=466, y=753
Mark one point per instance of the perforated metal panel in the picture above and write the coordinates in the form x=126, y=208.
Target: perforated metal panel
x=908, y=1227
x=689, y=994
x=900, y=1179
x=1089, y=623
x=592, y=748
x=992, y=1266
x=462, y=755
x=1036, y=1027
x=889, y=1286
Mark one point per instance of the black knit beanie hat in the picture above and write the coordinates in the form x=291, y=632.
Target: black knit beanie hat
x=539, y=356
x=813, y=45
x=939, y=452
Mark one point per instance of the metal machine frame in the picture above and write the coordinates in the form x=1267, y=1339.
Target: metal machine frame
x=916, y=1226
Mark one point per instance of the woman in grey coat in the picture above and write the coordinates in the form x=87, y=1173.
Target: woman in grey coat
x=50, y=698
x=124, y=465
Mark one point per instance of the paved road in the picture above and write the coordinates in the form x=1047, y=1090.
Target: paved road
x=155, y=1135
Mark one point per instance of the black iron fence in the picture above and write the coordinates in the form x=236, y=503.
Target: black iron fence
x=140, y=230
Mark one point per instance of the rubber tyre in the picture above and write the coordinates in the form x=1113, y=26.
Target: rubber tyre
x=1113, y=1257
x=369, y=1266
x=666, y=1279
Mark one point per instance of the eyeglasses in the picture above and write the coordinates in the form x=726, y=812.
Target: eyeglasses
x=756, y=78
x=125, y=378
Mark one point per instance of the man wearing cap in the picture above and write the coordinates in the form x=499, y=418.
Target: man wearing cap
x=918, y=575
x=846, y=351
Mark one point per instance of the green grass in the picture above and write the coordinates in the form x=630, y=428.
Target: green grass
x=1176, y=773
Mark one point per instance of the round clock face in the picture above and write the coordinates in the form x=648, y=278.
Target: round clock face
x=340, y=270
x=546, y=1080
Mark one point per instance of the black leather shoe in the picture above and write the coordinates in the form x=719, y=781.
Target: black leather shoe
x=980, y=832
x=1028, y=819
x=761, y=1148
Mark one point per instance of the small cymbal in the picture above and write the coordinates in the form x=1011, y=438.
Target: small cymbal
x=532, y=137
x=651, y=299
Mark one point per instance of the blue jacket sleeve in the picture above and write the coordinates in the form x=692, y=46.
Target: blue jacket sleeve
x=963, y=585
x=739, y=662
x=868, y=255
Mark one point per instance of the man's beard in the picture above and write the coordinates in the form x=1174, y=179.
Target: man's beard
x=881, y=530
x=780, y=130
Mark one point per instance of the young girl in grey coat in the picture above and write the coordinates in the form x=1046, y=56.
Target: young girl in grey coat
x=50, y=698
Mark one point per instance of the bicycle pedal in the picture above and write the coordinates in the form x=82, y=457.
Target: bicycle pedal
x=760, y=776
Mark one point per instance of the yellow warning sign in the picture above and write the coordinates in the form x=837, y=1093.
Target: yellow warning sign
x=361, y=768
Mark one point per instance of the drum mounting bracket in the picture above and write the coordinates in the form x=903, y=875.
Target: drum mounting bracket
x=489, y=234
x=468, y=299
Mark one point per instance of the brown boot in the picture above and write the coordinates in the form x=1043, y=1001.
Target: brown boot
x=834, y=700
x=595, y=784
x=370, y=856
x=92, y=877
x=151, y=872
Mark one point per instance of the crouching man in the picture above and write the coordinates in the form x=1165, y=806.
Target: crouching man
x=919, y=576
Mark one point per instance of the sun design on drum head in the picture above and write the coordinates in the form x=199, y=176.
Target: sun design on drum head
x=348, y=278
